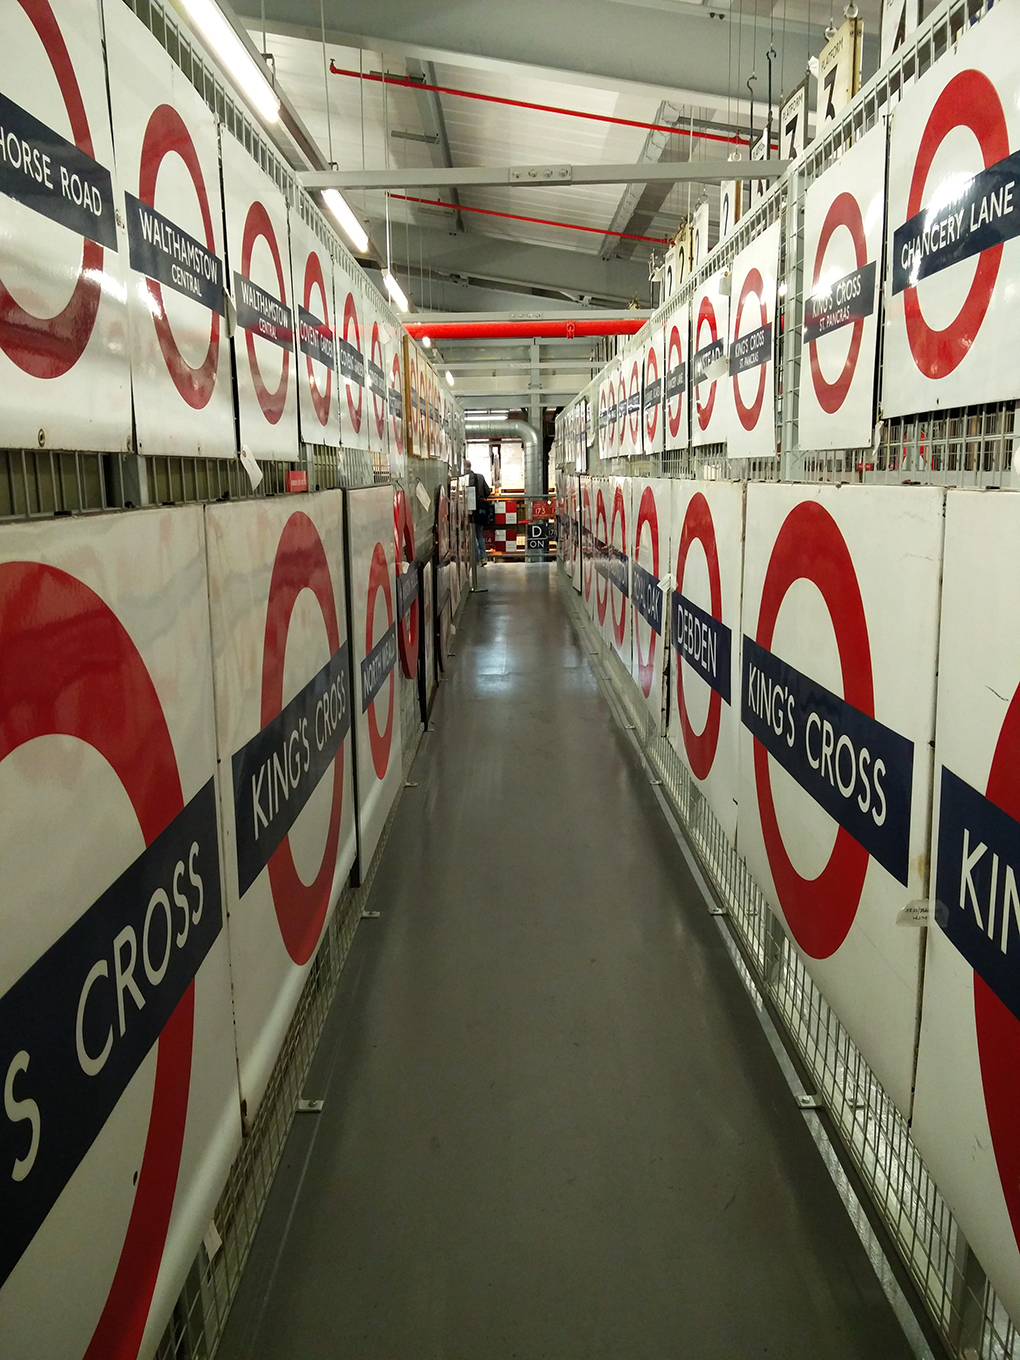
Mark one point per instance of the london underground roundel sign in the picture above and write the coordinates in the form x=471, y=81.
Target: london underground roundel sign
x=68, y=1038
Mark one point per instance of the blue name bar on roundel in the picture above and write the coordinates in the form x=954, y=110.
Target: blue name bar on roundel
x=977, y=886
x=983, y=214
x=77, y=1026
x=853, y=766
x=647, y=596
x=277, y=772
x=376, y=667
x=704, y=643
x=262, y=314
x=160, y=250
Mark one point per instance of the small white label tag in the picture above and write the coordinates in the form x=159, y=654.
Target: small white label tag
x=914, y=913
x=423, y=497
x=212, y=1240
x=251, y=467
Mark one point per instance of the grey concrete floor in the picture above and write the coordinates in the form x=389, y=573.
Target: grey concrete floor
x=552, y=1124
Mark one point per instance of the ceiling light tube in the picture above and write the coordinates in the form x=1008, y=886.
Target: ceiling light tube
x=210, y=21
x=397, y=295
x=449, y=378
x=341, y=210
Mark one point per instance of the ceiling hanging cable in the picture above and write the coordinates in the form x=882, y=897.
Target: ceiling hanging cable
x=325, y=80
x=538, y=221
x=406, y=82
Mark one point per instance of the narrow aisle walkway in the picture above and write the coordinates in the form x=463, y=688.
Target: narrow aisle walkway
x=552, y=1125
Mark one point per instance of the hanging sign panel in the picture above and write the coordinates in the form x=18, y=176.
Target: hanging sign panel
x=630, y=398
x=839, y=72
x=395, y=396
x=120, y=1117
x=283, y=715
x=709, y=362
x=676, y=397
x=707, y=539
x=843, y=226
x=793, y=123
x=652, y=420
x=317, y=375
x=586, y=511
x=758, y=188
x=699, y=235
x=651, y=503
x=899, y=19
x=257, y=251
x=954, y=219
x=751, y=420
x=837, y=707
x=966, y=1119
x=64, y=374
x=168, y=157
x=731, y=192
x=374, y=630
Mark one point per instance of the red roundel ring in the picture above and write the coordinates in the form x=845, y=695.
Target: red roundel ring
x=313, y=279
x=257, y=224
x=378, y=403
x=587, y=565
x=706, y=314
x=700, y=746
x=647, y=514
x=300, y=564
x=601, y=598
x=651, y=425
x=675, y=347
x=49, y=347
x=407, y=628
x=844, y=211
x=619, y=512
x=998, y=1029
x=611, y=426
x=397, y=386
x=969, y=100
x=748, y=415
x=819, y=911
x=635, y=387
x=351, y=319
x=379, y=579
x=166, y=132
x=50, y=625
x=603, y=422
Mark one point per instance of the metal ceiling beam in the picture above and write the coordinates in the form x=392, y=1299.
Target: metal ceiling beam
x=492, y=260
x=675, y=49
x=433, y=122
x=651, y=152
x=536, y=176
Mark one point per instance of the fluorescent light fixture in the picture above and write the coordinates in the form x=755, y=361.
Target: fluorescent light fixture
x=426, y=342
x=209, y=19
x=397, y=295
x=449, y=378
x=352, y=228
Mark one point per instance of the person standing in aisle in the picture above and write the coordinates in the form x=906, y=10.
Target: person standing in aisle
x=482, y=511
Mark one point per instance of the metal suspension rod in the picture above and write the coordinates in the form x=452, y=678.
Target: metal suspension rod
x=538, y=221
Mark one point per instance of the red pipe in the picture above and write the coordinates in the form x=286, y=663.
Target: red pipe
x=539, y=221
x=410, y=84
x=567, y=329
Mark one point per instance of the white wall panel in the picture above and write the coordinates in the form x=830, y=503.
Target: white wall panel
x=372, y=568
x=616, y=564
x=953, y=267
x=376, y=376
x=116, y=1042
x=283, y=709
x=63, y=324
x=652, y=416
x=707, y=544
x=844, y=217
x=630, y=375
x=751, y=389
x=966, y=1117
x=837, y=710
x=260, y=280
